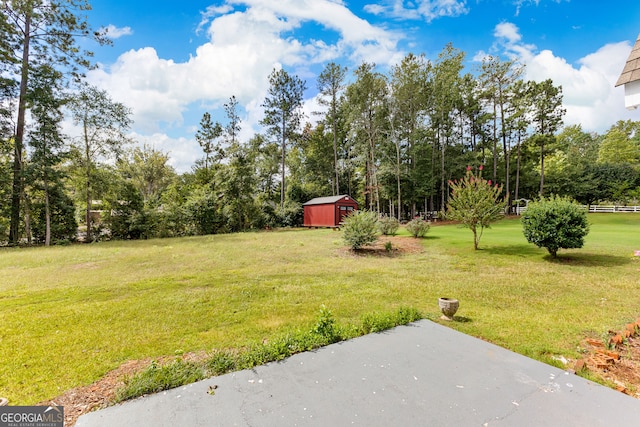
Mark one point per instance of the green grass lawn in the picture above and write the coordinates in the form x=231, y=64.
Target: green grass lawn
x=70, y=314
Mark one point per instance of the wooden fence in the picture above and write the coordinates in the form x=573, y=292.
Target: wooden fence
x=597, y=209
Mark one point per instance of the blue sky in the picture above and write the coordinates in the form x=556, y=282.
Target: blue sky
x=171, y=61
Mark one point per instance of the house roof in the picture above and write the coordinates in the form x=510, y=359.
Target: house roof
x=326, y=200
x=631, y=71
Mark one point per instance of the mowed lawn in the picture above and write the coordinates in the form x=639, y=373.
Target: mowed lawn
x=70, y=314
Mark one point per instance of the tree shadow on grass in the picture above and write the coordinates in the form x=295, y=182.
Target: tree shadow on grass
x=577, y=259
x=427, y=237
x=512, y=250
x=589, y=260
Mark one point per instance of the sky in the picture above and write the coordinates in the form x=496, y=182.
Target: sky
x=171, y=61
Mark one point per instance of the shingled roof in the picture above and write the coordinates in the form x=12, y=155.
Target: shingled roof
x=631, y=72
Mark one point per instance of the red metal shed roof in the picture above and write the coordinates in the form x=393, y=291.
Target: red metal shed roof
x=327, y=200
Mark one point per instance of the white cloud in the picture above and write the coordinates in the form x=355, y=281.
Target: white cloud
x=508, y=31
x=589, y=95
x=182, y=152
x=114, y=32
x=421, y=9
x=247, y=39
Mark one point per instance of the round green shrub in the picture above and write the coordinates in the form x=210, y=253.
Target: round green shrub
x=388, y=225
x=360, y=228
x=555, y=223
x=418, y=227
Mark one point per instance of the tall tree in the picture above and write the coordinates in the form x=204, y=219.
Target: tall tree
x=498, y=78
x=546, y=112
x=7, y=95
x=232, y=129
x=444, y=98
x=569, y=171
x=45, y=101
x=148, y=170
x=331, y=84
x=519, y=121
x=311, y=165
x=367, y=100
x=408, y=109
x=207, y=136
x=239, y=187
x=104, y=124
x=40, y=32
x=283, y=114
x=621, y=144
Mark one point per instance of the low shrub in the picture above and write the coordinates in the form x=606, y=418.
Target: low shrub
x=388, y=226
x=418, y=227
x=360, y=229
x=555, y=223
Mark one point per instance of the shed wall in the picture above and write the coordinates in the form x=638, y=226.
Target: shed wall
x=319, y=216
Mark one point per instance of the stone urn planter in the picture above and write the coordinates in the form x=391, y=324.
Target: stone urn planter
x=448, y=306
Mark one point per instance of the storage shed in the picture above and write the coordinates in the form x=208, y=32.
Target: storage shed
x=328, y=211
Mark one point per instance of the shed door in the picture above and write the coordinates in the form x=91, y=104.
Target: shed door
x=344, y=211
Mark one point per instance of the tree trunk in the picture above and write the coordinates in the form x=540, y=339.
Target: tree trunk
x=542, y=167
x=505, y=147
x=27, y=217
x=398, y=180
x=335, y=151
x=47, y=236
x=443, y=187
x=284, y=148
x=47, y=214
x=475, y=239
x=518, y=170
x=14, y=226
x=87, y=158
x=495, y=143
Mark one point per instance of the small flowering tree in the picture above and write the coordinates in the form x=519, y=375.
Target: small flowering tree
x=476, y=203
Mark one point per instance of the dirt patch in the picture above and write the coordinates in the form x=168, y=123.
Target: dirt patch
x=400, y=245
x=615, y=359
x=102, y=393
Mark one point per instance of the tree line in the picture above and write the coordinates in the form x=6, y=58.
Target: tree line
x=392, y=140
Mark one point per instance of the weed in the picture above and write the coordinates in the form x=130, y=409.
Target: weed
x=326, y=326
x=221, y=362
x=160, y=377
x=377, y=322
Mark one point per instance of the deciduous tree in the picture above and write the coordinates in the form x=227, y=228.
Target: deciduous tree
x=476, y=203
x=40, y=32
x=104, y=124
